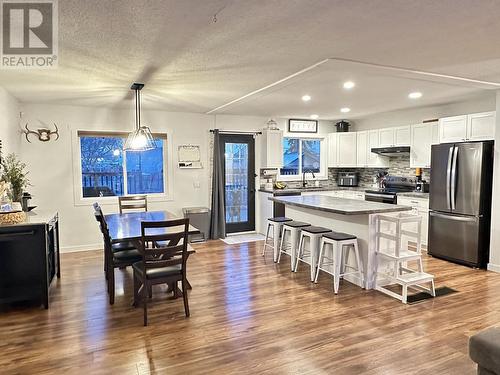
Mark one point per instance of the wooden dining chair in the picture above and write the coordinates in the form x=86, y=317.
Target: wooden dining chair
x=114, y=256
x=164, y=263
x=133, y=202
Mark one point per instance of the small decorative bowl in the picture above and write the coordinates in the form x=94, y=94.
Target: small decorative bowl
x=12, y=217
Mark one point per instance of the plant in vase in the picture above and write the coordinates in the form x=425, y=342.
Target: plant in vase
x=14, y=173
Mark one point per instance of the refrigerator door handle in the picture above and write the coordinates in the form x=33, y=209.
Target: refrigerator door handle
x=448, y=178
x=452, y=217
x=453, y=195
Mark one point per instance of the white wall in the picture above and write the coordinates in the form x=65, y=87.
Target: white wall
x=51, y=165
x=483, y=103
x=9, y=122
x=494, y=263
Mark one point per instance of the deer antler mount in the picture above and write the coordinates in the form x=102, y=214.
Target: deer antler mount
x=43, y=134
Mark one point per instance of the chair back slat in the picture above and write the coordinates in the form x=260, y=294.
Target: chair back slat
x=135, y=202
x=167, y=251
x=99, y=216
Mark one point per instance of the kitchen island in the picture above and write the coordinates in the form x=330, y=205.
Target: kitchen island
x=343, y=215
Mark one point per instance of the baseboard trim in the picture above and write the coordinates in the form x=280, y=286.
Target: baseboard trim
x=493, y=267
x=78, y=248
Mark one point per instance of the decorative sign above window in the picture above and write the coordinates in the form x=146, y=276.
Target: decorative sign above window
x=302, y=126
x=189, y=157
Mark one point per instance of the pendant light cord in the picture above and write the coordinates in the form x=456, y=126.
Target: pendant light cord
x=137, y=109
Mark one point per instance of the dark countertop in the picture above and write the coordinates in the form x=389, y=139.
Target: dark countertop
x=341, y=206
x=36, y=218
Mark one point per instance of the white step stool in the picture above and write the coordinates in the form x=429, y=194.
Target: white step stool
x=398, y=257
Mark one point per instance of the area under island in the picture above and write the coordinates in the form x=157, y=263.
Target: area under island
x=342, y=215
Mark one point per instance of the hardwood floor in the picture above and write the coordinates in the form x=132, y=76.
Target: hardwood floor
x=248, y=315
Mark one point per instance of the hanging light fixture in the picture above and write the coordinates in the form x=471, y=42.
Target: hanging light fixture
x=141, y=138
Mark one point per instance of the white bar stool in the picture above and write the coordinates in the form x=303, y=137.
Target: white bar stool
x=293, y=228
x=276, y=223
x=342, y=244
x=310, y=255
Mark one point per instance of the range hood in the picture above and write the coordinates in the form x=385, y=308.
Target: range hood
x=391, y=151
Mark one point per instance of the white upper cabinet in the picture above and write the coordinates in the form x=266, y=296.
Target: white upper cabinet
x=473, y=127
x=398, y=136
x=346, y=149
x=453, y=129
x=362, y=149
x=481, y=126
x=372, y=159
x=435, y=132
x=272, y=149
x=386, y=137
x=402, y=136
x=421, y=142
x=332, y=150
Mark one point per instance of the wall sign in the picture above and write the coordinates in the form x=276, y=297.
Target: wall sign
x=189, y=156
x=302, y=126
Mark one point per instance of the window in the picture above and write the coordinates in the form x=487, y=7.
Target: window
x=302, y=155
x=107, y=170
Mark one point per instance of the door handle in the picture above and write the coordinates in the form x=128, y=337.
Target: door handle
x=448, y=177
x=454, y=179
x=455, y=218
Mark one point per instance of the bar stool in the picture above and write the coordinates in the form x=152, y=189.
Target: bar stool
x=276, y=223
x=314, y=235
x=290, y=247
x=340, y=258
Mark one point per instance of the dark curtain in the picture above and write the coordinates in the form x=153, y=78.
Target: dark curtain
x=217, y=220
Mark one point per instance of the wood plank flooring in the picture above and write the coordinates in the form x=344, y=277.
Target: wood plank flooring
x=248, y=316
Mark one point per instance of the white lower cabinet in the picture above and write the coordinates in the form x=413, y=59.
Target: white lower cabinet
x=420, y=206
x=265, y=208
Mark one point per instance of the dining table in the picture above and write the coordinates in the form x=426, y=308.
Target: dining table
x=126, y=227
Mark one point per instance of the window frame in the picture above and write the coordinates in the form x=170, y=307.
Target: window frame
x=79, y=200
x=323, y=169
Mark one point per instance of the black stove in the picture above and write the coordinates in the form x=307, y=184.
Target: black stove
x=392, y=186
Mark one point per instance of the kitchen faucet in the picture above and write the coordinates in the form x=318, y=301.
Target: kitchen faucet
x=304, y=182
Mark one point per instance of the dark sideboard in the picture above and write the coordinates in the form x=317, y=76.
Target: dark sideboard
x=29, y=258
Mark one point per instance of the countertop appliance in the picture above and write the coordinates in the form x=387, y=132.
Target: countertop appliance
x=393, y=186
x=348, y=179
x=460, y=202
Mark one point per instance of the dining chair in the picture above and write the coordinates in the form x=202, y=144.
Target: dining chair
x=164, y=263
x=133, y=202
x=114, y=256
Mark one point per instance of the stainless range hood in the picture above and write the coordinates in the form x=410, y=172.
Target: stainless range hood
x=391, y=151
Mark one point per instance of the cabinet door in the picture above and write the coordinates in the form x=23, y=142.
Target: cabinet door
x=362, y=148
x=386, y=137
x=435, y=132
x=332, y=150
x=265, y=211
x=402, y=136
x=346, y=149
x=372, y=159
x=453, y=129
x=274, y=149
x=420, y=149
x=425, y=224
x=481, y=126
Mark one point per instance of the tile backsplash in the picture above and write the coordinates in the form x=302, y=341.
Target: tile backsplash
x=399, y=166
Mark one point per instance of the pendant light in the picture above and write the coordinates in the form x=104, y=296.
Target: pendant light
x=141, y=138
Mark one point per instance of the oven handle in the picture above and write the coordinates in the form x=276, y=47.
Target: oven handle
x=374, y=195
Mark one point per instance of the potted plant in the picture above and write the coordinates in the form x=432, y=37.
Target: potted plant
x=13, y=172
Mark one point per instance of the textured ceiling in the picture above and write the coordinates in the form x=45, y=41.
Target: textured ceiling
x=190, y=63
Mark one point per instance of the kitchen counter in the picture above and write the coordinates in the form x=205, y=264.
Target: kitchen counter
x=414, y=194
x=340, y=206
x=36, y=218
x=310, y=189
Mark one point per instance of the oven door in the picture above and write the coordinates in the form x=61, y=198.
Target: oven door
x=380, y=197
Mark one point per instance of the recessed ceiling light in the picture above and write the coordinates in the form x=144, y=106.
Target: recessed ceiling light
x=345, y=110
x=306, y=98
x=314, y=117
x=415, y=95
x=349, y=85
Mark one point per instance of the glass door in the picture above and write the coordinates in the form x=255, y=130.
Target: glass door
x=239, y=182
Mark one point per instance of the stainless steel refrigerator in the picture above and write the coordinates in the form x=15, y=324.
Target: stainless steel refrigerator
x=460, y=202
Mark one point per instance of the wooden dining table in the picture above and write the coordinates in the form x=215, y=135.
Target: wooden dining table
x=126, y=227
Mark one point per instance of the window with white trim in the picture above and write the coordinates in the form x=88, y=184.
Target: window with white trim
x=303, y=155
x=107, y=170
